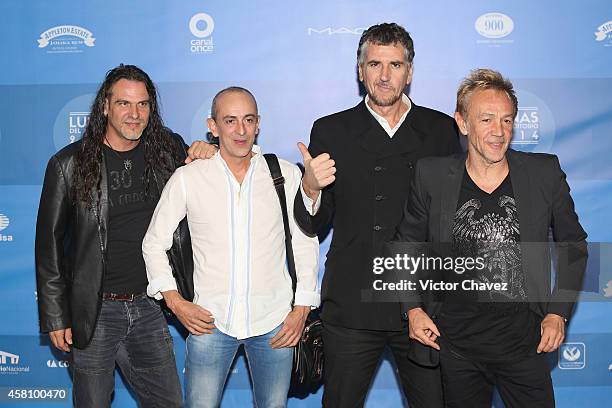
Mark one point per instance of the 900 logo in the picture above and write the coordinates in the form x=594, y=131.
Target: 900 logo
x=494, y=25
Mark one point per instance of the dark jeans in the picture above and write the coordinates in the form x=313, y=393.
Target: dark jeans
x=135, y=336
x=351, y=358
x=524, y=383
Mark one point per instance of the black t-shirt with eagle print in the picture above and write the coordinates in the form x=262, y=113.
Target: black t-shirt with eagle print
x=490, y=324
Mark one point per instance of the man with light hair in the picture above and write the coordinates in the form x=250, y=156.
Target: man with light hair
x=487, y=203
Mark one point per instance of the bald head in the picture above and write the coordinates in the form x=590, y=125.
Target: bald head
x=231, y=89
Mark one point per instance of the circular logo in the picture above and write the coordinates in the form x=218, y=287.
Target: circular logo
x=71, y=121
x=494, y=25
x=201, y=17
x=534, y=126
x=571, y=353
x=199, y=127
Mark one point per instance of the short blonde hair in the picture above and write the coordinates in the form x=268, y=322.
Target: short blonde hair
x=479, y=80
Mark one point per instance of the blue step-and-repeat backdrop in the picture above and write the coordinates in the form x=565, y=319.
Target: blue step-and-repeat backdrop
x=298, y=58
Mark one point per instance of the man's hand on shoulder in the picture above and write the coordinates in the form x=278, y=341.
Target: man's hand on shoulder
x=422, y=328
x=200, y=150
x=318, y=172
x=62, y=339
x=552, y=329
x=195, y=318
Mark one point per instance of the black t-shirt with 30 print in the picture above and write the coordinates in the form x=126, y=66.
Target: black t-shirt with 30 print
x=130, y=212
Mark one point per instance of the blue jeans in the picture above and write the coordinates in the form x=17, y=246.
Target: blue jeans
x=210, y=356
x=135, y=336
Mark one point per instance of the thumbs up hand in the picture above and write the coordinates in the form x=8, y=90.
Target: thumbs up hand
x=318, y=172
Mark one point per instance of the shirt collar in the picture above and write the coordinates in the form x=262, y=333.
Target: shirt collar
x=383, y=122
x=255, y=149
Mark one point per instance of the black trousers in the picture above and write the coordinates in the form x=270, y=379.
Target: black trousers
x=524, y=383
x=351, y=358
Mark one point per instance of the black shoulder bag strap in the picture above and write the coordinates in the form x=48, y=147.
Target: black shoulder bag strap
x=279, y=185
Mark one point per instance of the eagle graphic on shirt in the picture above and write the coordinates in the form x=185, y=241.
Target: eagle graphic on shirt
x=495, y=238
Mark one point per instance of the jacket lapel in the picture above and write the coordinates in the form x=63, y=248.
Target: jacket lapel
x=368, y=131
x=450, y=195
x=103, y=203
x=530, y=253
x=521, y=187
x=412, y=132
x=408, y=137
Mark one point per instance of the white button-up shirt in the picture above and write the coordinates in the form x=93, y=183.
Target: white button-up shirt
x=238, y=241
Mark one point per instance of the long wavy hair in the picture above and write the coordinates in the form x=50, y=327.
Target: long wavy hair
x=160, y=150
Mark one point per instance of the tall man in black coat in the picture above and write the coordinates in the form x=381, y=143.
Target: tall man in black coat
x=357, y=176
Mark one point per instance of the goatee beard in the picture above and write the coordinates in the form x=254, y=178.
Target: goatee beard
x=132, y=138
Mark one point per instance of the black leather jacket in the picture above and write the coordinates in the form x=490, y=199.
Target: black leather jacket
x=71, y=249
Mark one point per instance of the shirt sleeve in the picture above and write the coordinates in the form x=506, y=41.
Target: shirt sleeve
x=170, y=210
x=311, y=206
x=305, y=248
x=51, y=224
x=570, y=247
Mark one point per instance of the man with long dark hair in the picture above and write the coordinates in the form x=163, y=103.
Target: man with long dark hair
x=98, y=197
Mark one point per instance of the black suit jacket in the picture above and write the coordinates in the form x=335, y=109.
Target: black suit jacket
x=544, y=204
x=365, y=203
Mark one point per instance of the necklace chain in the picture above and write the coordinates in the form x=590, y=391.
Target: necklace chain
x=128, y=164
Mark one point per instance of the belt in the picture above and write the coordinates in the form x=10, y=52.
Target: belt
x=123, y=297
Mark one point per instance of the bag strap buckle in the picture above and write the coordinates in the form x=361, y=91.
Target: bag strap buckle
x=279, y=181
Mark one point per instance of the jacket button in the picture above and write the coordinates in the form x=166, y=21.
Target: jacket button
x=379, y=198
x=378, y=168
x=377, y=228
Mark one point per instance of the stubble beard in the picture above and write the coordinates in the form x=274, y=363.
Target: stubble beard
x=384, y=102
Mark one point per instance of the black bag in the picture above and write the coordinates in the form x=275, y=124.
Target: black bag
x=307, y=372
